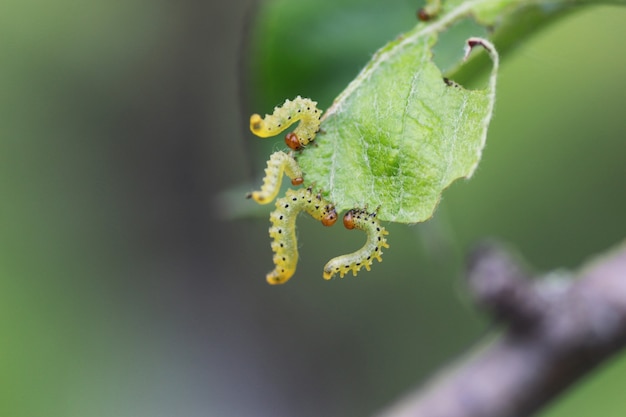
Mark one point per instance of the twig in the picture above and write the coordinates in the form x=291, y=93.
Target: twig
x=556, y=330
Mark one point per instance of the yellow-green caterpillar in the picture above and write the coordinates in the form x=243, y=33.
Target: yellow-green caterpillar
x=283, y=218
x=279, y=163
x=298, y=109
x=364, y=257
x=283, y=229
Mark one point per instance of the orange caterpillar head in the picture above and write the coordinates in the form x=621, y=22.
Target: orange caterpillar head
x=292, y=141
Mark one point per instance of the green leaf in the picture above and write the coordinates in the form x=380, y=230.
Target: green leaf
x=399, y=134
x=373, y=151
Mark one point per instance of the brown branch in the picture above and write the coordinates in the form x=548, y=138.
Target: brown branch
x=556, y=330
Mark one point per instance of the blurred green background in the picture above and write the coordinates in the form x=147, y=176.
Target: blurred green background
x=128, y=289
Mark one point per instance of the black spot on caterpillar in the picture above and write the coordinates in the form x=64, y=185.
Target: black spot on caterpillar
x=279, y=163
x=283, y=229
x=298, y=109
x=359, y=219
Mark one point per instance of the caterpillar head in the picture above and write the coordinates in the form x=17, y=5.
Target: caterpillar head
x=292, y=141
x=330, y=216
x=349, y=219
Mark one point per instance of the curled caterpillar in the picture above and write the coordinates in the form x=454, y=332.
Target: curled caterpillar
x=300, y=109
x=364, y=257
x=283, y=229
x=279, y=163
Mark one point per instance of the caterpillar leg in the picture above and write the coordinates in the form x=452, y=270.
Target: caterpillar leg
x=364, y=257
x=279, y=163
x=283, y=229
x=300, y=109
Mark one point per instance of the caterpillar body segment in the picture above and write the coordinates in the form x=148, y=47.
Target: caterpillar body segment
x=279, y=163
x=364, y=257
x=299, y=109
x=283, y=229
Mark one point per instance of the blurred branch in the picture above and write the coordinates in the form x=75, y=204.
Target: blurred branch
x=556, y=330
